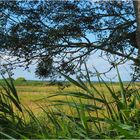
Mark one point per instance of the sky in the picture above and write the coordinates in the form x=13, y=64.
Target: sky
x=94, y=61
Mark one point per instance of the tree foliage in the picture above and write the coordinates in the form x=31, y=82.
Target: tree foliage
x=60, y=35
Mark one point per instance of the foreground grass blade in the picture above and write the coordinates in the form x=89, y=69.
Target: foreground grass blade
x=122, y=89
x=11, y=86
x=77, y=95
x=78, y=84
x=78, y=105
x=6, y=136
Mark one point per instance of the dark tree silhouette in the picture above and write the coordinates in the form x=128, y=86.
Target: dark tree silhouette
x=55, y=34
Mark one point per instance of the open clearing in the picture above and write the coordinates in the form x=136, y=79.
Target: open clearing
x=33, y=96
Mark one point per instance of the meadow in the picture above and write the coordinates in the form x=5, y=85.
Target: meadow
x=74, y=109
x=34, y=93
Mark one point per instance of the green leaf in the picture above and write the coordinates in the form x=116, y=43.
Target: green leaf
x=6, y=135
x=124, y=101
x=78, y=95
x=78, y=105
x=78, y=84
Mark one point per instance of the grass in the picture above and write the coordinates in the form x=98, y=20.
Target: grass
x=83, y=110
x=31, y=95
x=39, y=91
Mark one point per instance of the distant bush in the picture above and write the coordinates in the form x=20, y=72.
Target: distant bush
x=21, y=79
x=10, y=78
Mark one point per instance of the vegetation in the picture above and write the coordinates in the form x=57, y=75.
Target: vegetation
x=56, y=34
x=21, y=79
x=10, y=78
x=92, y=113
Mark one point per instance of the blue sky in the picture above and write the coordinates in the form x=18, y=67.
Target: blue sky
x=94, y=61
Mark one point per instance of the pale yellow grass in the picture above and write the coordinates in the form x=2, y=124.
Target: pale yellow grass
x=35, y=96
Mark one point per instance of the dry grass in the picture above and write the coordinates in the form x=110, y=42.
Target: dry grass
x=33, y=96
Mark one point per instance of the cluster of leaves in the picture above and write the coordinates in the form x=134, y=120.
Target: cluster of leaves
x=58, y=31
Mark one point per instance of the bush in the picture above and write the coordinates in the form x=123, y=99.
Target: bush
x=21, y=79
x=10, y=78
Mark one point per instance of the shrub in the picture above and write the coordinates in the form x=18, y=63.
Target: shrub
x=10, y=79
x=21, y=79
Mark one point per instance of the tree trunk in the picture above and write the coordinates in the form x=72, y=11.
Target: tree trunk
x=137, y=13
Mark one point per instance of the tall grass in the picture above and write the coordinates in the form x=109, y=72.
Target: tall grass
x=93, y=114
x=113, y=117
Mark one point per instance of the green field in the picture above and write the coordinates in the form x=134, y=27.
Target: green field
x=82, y=110
x=34, y=93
